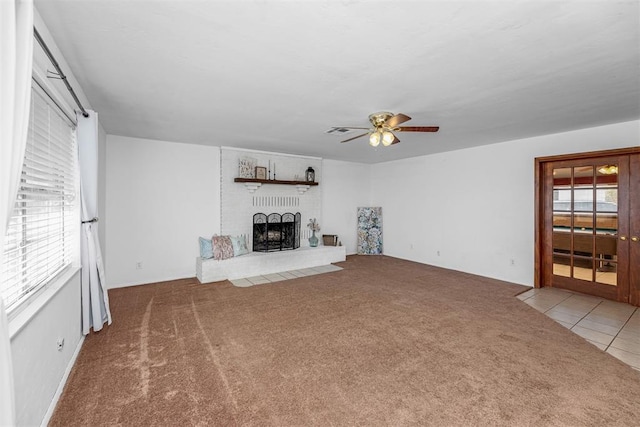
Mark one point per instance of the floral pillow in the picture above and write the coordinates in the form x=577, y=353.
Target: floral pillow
x=222, y=247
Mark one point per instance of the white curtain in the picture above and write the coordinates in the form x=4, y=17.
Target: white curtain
x=95, y=299
x=16, y=51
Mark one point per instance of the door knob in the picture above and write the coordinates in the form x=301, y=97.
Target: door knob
x=635, y=238
x=623, y=238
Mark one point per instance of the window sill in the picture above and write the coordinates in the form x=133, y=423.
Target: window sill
x=26, y=311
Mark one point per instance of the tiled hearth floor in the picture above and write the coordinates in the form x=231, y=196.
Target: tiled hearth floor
x=611, y=326
x=285, y=275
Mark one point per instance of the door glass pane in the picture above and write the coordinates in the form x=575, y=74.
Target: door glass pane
x=583, y=176
x=607, y=199
x=561, y=178
x=561, y=265
x=583, y=222
x=583, y=243
x=561, y=220
x=606, y=245
x=607, y=273
x=607, y=173
x=562, y=199
x=583, y=200
x=561, y=242
x=583, y=268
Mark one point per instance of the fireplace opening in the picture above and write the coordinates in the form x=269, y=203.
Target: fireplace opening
x=275, y=232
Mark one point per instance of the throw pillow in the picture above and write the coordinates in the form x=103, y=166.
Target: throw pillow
x=239, y=245
x=206, y=248
x=222, y=247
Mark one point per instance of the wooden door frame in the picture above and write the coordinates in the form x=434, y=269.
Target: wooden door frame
x=539, y=165
x=634, y=228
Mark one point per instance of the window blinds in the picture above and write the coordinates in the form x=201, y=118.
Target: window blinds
x=41, y=239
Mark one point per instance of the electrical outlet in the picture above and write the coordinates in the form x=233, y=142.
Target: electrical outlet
x=438, y=252
x=60, y=344
x=411, y=246
x=139, y=265
x=513, y=261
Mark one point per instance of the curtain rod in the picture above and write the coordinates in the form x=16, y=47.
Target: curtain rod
x=59, y=70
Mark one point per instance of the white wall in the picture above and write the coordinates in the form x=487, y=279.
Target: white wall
x=161, y=196
x=345, y=187
x=38, y=366
x=476, y=206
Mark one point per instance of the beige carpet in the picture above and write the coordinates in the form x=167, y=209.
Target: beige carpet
x=382, y=342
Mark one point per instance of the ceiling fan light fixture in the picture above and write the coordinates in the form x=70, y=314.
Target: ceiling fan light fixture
x=387, y=138
x=384, y=126
x=374, y=139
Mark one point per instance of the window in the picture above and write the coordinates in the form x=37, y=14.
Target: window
x=42, y=238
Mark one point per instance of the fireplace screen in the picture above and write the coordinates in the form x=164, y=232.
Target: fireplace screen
x=275, y=232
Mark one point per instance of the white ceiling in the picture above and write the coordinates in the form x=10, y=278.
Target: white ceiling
x=275, y=75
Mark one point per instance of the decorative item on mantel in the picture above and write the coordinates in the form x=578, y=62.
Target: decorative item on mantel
x=313, y=226
x=247, y=167
x=310, y=174
x=274, y=171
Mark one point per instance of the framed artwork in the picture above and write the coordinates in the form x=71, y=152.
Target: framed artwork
x=261, y=172
x=370, y=231
x=246, y=167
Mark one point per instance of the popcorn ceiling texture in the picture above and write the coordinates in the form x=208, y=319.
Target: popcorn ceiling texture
x=238, y=205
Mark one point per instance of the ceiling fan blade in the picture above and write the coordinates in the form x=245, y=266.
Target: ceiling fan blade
x=395, y=140
x=417, y=128
x=355, y=137
x=396, y=120
x=348, y=127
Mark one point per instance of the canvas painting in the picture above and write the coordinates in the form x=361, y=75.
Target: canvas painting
x=370, y=231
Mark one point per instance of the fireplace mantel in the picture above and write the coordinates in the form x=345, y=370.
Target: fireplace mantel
x=252, y=184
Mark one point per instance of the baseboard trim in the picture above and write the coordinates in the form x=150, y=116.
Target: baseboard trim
x=63, y=382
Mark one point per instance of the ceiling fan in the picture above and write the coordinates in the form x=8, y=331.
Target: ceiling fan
x=384, y=125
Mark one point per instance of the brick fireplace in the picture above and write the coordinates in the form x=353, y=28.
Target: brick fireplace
x=239, y=205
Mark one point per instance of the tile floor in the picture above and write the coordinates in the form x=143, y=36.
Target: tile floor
x=285, y=275
x=611, y=326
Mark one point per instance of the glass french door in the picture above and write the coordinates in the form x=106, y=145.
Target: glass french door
x=591, y=230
